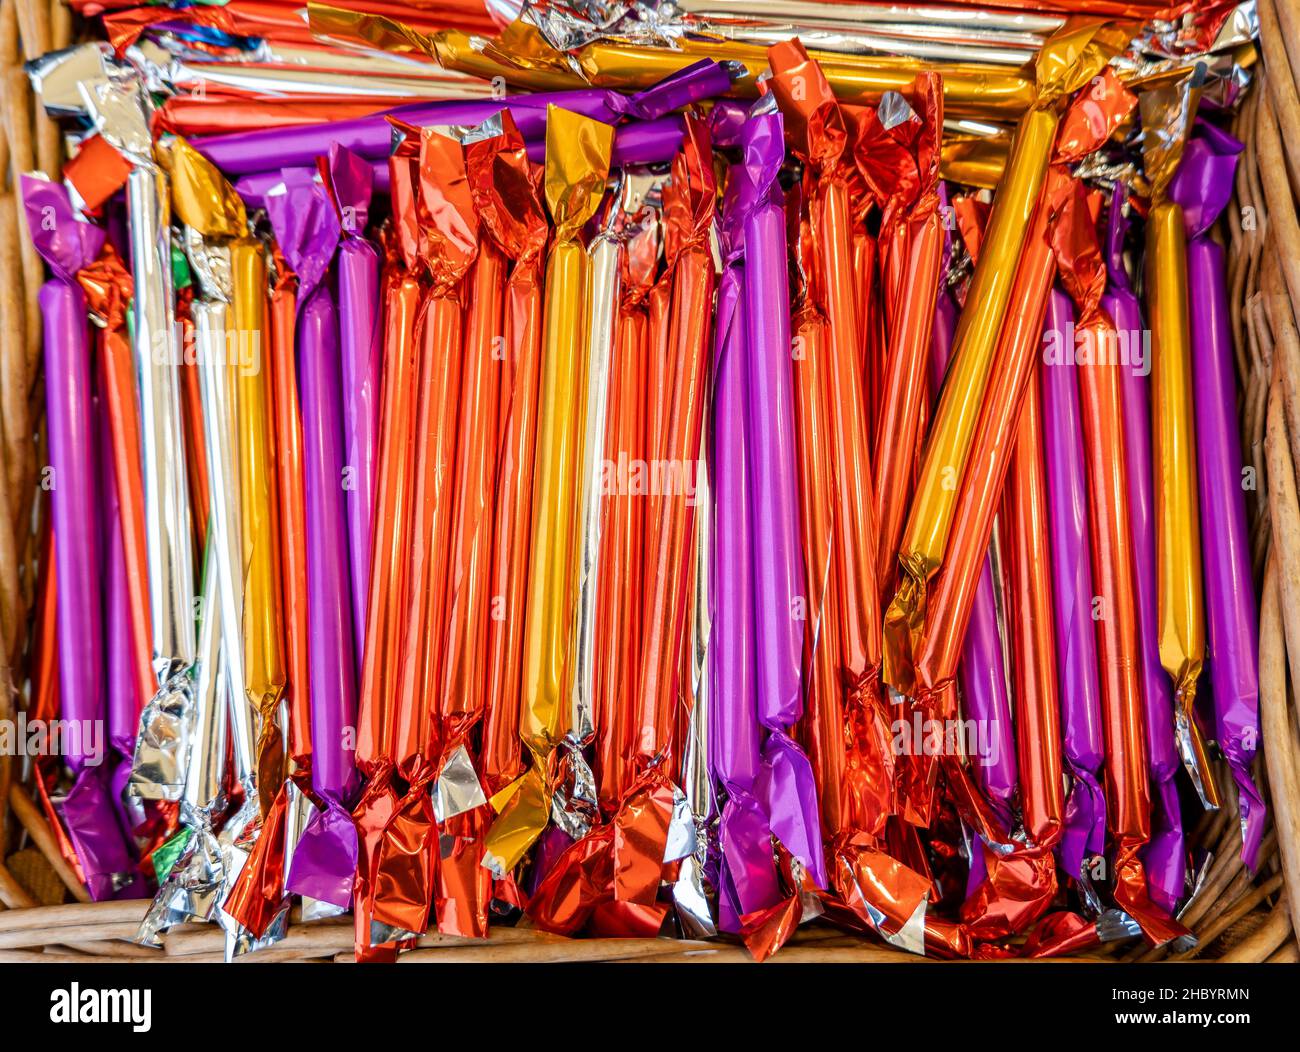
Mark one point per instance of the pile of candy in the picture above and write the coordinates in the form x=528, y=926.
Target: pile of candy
x=635, y=468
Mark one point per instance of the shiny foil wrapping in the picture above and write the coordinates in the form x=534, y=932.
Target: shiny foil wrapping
x=67, y=245
x=1070, y=58
x=349, y=182
x=1203, y=183
x=263, y=623
x=157, y=770
x=507, y=194
x=785, y=782
x=1180, y=608
x=577, y=167
x=446, y=246
x=1034, y=652
x=1164, y=857
x=747, y=872
x=323, y=863
x=1075, y=632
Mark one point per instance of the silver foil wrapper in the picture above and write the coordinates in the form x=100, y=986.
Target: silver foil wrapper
x=118, y=108
x=190, y=891
x=217, y=393
x=605, y=253
x=688, y=831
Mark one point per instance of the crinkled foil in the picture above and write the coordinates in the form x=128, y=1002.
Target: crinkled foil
x=688, y=831
x=189, y=891
x=217, y=394
x=605, y=253
x=117, y=107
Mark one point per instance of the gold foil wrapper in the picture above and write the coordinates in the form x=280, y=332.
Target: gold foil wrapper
x=1180, y=610
x=969, y=90
x=577, y=167
x=264, y=673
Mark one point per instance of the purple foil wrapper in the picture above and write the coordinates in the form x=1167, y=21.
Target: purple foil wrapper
x=785, y=784
x=242, y=153
x=1083, y=738
x=1232, y=631
x=361, y=348
x=67, y=245
x=694, y=83
x=982, y=672
x=1164, y=856
x=652, y=135
x=123, y=702
x=307, y=229
x=748, y=876
x=638, y=142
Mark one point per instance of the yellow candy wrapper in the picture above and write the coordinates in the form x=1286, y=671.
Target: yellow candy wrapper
x=577, y=167
x=1068, y=61
x=1167, y=116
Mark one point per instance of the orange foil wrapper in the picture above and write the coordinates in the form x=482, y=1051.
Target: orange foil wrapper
x=293, y=515
x=911, y=241
x=619, y=621
x=816, y=130
x=381, y=668
x=1029, y=602
x=108, y=287
x=507, y=194
x=689, y=207
x=447, y=232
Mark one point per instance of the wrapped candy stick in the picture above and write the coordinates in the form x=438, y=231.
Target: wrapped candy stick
x=689, y=209
x=1203, y=186
x=108, y=288
x=464, y=885
x=605, y=253
x=1069, y=59
x=1029, y=564
x=447, y=234
x=1128, y=806
x=212, y=217
x=1164, y=857
x=243, y=152
x=1167, y=113
x=348, y=182
x=577, y=159
x=982, y=672
x=324, y=862
x=1075, y=636
x=67, y=245
x=283, y=305
x=785, y=782
x=747, y=873
x=380, y=668
x=507, y=195
x=911, y=236
x=815, y=127
x=263, y=625
x=619, y=619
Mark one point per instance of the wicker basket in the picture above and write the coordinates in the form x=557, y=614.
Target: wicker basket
x=1235, y=916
